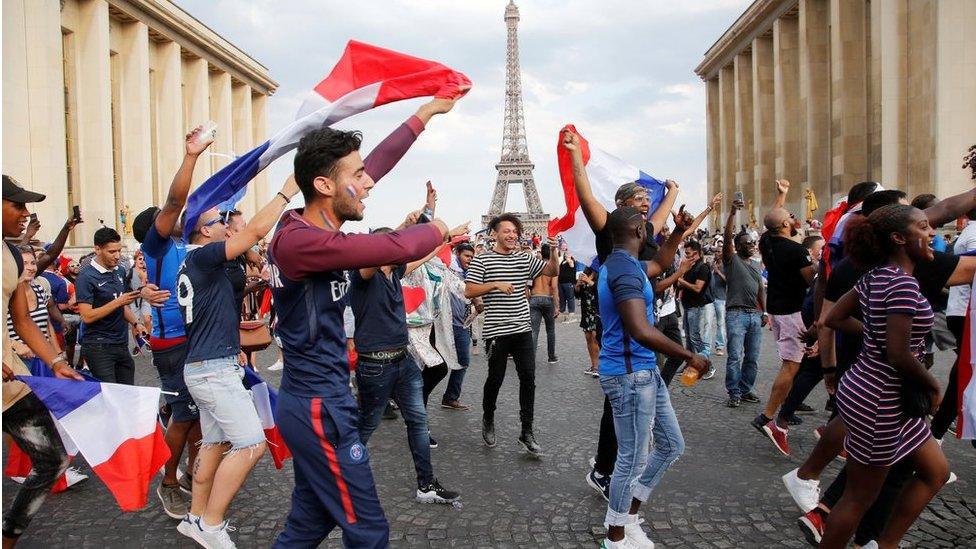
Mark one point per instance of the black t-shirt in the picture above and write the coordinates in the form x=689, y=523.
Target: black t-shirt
x=567, y=273
x=604, y=244
x=235, y=269
x=690, y=299
x=786, y=287
x=932, y=276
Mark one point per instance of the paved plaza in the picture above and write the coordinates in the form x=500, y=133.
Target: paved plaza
x=724, y=492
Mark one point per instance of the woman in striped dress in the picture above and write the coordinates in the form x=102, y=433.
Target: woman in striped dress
x=38, y=305
x=896, y=319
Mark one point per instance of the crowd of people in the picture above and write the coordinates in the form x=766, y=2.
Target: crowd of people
x=369, y=324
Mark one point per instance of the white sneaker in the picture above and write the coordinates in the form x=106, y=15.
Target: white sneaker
x=74, y=476
x=952, y=478
x=188, y=525
x=625, y=543
x=806, y=493
x=219, y=539
x=636, y=535
x=278, y=365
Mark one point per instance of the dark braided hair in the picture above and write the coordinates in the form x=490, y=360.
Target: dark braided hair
x=969, y=161
x=867, y=240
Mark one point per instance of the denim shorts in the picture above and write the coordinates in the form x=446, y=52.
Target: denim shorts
x=170, y=363
x=227, y=413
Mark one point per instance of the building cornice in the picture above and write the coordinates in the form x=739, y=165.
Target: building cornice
x=170, y=21
x=754, y=22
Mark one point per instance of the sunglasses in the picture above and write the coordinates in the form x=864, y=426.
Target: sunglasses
x=213, y=222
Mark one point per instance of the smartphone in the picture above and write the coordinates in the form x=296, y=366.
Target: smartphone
x=77, y=213
x=738, y=196
x=33, y=218
x=208, y=134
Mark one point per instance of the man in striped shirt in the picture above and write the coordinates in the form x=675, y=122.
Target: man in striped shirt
x=500, y=276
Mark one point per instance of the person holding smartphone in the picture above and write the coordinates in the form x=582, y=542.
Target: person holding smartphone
x=103, y=303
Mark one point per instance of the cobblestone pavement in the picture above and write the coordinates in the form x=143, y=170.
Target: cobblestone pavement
x=724, y=492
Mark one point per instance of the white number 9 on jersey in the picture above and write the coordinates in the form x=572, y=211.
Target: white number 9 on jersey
x=184, y=295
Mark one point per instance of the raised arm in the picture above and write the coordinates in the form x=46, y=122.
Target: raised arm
x=660, y=215
x=180, y=187
x=716, y=200
x=665, y=254
x=728, y=246
x=388, y=153
x=45, y=258
x=595, y=213
x=262, y=222
x=782, y=187
x=552, y=265
x=951, y=208
x=456, y=231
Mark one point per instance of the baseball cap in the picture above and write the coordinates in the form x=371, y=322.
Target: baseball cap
x=15, y=193
x=628, y=191
x=142, y=222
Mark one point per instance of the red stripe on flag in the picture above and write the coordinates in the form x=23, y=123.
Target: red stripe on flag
x=131, y=468
x=19, y=465
x=276, y=447
x=565, y=159
x=319, y=429
x=964, y=371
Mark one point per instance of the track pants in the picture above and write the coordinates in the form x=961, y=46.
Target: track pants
x=333, y=481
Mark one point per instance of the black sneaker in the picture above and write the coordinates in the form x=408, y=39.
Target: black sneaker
x=488, y=432
x=794, y=420
x=433, y=443
x=435, y=493
x=734, y=402
x=750, y=398
x=527, y=440
x=600, y=483
x=804, y=409
x=759, y=422
x=553, y=360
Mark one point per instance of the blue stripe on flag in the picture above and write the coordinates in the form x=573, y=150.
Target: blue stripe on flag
x=222, y=186
x=62, y=396
x=655, y=189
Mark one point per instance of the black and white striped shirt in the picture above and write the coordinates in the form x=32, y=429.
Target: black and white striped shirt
x=505, y=314
x=39, y=315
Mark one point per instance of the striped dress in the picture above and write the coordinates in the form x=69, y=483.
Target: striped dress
x=868, y=399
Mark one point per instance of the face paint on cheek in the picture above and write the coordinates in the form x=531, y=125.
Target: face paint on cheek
x=352, y=191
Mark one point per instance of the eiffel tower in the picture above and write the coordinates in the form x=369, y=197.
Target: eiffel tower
x=515, y=168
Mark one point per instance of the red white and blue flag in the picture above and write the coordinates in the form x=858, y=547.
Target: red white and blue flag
x=606, y=174
x=113, y=426
x=966, y=380
x=365, y=77
x=265, y=400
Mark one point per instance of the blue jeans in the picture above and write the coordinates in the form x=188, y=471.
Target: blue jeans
x=462, y=341
x=567, y=299
x=693, y=319
x=640, y=404
x=715, y=312
x=745, y=336
x=401, y=381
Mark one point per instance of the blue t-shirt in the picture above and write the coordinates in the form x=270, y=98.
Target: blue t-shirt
x=97, y=286
x=206, y=298
x=59, y=293
x=163, y=259
x=377, y=304
x=622, y=278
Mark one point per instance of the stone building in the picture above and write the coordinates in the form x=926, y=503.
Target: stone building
x=827, y=93
x=97, y=98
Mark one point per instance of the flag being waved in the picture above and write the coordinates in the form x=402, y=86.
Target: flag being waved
x=114, y=427
x=365, y=77
x=606, y=174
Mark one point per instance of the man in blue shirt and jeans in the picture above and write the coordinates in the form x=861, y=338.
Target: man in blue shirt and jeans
x=631, y=380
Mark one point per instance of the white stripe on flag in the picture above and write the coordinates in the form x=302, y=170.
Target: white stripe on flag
x=262, y=403
x=117, y=414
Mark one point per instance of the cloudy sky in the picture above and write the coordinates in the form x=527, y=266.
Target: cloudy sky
x=620, y=70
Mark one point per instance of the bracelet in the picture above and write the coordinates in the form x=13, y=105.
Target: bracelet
x=282, y=195
x=60, y=357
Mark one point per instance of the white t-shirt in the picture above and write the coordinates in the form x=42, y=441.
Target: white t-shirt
x=959, y=295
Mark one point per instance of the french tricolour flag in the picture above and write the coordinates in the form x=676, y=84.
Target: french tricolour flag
x=265, y=399
x=113, y=426
x=966, y=423
x=606, y=174
x=365, y=77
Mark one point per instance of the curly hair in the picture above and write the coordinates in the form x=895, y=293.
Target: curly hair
x=318, y=154
x=969, y=161
x=510, y=217
x=867, y=240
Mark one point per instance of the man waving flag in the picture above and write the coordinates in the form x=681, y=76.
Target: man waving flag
x=365, y=77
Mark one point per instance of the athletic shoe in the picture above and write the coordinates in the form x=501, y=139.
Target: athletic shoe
x=635, y=534
x=812, y=525
x=952, y=478
x=553, y=360
x=806, y=493
x=778, y=436
x=216, y=539
x=600, y=483
x=73, y=476
x=435, y=493
x=592, y=462
x=186, y=483
x=734, y=402
x=759, y=422
x=750, y=398
x=794, y=420
x=870, y=545
x=804, y=409
x=278, y=365
x=188, y=525
x=842, y=455
x=625, y=543
x=433, y=443
x=709, y=374
x=488, y=432
x=454, y=405
x=527, y=440
x=172, y=498
x=952, y=428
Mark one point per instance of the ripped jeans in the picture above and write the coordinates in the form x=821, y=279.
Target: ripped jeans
x=640, y=404
x=29, y=423
x=227, y=413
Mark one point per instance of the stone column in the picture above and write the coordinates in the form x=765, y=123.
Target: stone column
x=814, y=30
x=763, y=122
x=745, y=150
x=920, y=89
x=16, y=124
x=221, y=113
x=94, y=116
x=889, y=77
x=726, y=94
x=135, y=145
x=259, y=121
x=848, y=70
x=196, y=106
x=788, y=116
x=955, y=115
x=168, y=91
x=243, y=134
